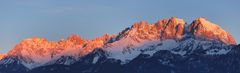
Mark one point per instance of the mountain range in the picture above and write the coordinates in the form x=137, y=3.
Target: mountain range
x=167, y=46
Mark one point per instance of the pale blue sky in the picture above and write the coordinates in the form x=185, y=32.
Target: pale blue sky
x=55, y=19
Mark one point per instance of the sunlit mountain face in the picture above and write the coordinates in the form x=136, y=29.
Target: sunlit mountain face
x=167, y=46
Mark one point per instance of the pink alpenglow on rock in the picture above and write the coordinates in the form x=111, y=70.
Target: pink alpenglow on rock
x=202, y=28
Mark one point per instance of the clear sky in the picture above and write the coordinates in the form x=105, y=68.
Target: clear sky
x=56, y=19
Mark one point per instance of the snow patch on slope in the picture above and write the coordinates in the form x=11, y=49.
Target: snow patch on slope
x=128, y=49
x=95, y=59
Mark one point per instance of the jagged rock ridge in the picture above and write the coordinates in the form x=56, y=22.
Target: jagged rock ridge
x=141, y=38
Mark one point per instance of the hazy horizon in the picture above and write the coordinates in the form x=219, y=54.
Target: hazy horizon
x=58, y=19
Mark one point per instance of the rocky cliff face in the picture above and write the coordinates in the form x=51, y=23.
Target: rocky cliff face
x=162, y=29
x=174, y=29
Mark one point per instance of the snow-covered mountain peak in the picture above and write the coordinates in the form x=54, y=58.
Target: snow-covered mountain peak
x=202, y=28
x=133, y=41
x=34, y=52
